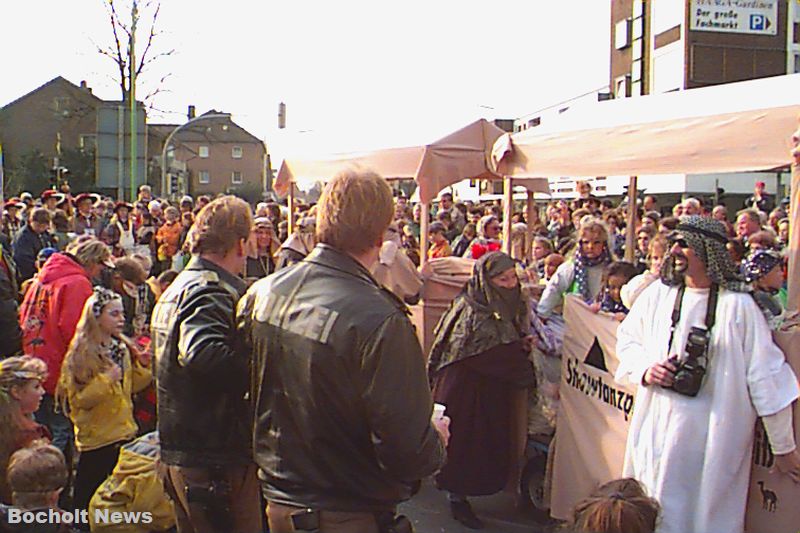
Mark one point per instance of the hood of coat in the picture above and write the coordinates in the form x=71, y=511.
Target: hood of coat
x=60, y=266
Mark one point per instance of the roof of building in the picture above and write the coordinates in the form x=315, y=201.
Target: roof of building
x=64, y=84
x=210, y=130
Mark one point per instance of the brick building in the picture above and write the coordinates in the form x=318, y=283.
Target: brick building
x=211, y=156
x=57, y=113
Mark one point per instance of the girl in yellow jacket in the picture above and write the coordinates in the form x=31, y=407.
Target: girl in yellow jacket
x=98, y=379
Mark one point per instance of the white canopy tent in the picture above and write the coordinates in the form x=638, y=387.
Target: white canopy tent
x=464, y=154
x=734, y=127
x=726, y=128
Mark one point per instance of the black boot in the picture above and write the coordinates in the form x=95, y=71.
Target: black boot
x=462, y=512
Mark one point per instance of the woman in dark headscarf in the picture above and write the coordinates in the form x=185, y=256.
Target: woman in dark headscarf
x=479, y=361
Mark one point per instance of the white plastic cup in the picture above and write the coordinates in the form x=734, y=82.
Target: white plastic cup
x=438, y=411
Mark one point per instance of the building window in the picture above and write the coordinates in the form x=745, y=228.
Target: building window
x=622, y=34
x=236, y=177
x=236, y=152
x=796, y=33
x=203, y=151
x=203, y=177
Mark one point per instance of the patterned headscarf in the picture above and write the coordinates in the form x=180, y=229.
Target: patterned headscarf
x=760, y=263
x=707, y=238
x=102, y=296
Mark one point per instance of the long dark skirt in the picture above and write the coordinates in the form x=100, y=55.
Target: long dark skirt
x=479, y=395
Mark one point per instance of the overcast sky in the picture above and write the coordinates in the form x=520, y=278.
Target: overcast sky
x=354, y=74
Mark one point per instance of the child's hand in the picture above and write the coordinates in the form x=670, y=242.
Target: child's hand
x=114, y=373
x=595, y=307
x=619, y=317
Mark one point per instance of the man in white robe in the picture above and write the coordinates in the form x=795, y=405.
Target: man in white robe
x=693, y=454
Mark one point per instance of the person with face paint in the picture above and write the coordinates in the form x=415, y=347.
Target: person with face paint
x=764, y=270
x=480, y=350
x=583, y=275
x=701, y=355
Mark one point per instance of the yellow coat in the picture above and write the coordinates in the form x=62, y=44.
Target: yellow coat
x=134, y=487
x=102, y=411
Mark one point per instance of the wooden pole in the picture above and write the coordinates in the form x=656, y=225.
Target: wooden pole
x=630, y=228
x=423, y=233
x=793, y=302
x=530, y=214
x=291, y=208
x=508, y=206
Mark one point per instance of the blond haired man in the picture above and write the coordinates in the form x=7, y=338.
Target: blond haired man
x=343, y=429
x=204, y=418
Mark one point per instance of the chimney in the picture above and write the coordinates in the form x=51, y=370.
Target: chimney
x=191, y=112
x=86, y=87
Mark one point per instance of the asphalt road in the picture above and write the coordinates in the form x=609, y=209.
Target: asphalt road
x=430, y=512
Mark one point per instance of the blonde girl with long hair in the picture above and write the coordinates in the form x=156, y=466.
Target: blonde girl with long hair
x=98, y=379
x=21, y=393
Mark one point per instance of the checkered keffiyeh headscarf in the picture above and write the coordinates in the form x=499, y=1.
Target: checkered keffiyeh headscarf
x=707, y=237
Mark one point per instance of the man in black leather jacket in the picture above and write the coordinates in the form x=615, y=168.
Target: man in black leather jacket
x=204, y=416
x=343, y=429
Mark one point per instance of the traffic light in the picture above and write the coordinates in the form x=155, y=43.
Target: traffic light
x=173, y=184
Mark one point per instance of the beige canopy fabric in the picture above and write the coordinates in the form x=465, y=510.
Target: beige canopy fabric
x=391, y=163
x=464, y=154
x=726, y=128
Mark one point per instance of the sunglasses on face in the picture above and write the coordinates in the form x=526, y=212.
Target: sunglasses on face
x=680, y=241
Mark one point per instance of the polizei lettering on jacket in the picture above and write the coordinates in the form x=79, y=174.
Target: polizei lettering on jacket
x=595, y=387
x=313, y=322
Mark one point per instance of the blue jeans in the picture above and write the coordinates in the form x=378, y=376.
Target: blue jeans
x=59, y=425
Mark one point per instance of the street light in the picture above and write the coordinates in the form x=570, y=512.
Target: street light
x=164, y=190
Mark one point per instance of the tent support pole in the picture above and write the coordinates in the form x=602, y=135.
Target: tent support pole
x=530, y=206
x=630, y=227
x=508, y=207
x=290, y=201
x=423, y=233
x=793, y=302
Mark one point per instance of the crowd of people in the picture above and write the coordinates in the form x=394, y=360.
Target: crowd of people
x=235, y=368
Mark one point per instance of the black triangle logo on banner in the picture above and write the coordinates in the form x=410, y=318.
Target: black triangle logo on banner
x=596, y=356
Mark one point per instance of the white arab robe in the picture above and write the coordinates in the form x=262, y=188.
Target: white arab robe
x=694, y=454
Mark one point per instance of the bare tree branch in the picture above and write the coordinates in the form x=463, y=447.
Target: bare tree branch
x=119, y=50
x=151, y=35
x=121, y=59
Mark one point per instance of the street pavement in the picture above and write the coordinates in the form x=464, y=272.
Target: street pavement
x=430, y=513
